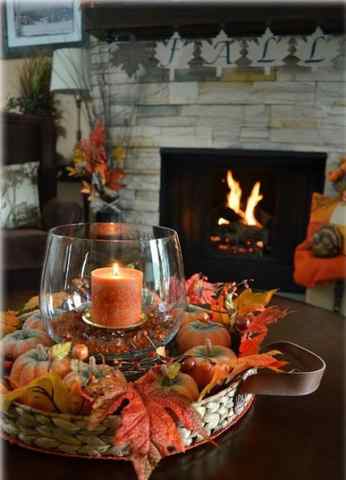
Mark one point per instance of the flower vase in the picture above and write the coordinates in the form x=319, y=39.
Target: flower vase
x=108, y=214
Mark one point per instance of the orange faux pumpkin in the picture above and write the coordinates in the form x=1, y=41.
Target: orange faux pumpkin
x=16, y=343
x=80, y=351
x=192, y=316
x=33, y=364
x=196, y=332
x=81, y=373
x=201, y=361
x=179, y=383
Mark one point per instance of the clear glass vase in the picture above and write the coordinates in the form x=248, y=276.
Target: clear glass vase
x=118, y=288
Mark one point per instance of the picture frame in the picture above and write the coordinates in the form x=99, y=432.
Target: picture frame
x=31, y=25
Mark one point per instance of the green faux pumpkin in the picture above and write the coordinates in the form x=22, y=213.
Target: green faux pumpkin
x=327, y=242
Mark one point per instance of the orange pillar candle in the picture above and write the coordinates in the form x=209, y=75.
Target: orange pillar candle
x=116, y=296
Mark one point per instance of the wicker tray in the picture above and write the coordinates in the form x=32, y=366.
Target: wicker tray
x=65, y=434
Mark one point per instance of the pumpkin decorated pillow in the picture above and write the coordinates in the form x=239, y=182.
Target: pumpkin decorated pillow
x=330, y=211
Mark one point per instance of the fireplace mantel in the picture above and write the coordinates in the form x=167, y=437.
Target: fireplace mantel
x=152, y=19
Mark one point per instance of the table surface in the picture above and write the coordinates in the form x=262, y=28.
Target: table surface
x=285, y=438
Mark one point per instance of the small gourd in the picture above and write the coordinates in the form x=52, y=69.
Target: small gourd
x=35, y=363
x=200, y=362
x=16, y=343
x=171, y=380
x=196, y=332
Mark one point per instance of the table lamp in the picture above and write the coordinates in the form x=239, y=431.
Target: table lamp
x=69, y=76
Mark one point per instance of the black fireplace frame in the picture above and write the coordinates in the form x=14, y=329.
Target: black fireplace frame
x=188, y=163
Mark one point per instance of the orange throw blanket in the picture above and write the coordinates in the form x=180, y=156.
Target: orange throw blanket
x=310, y=270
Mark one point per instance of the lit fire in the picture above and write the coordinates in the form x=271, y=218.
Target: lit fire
x=234, y=202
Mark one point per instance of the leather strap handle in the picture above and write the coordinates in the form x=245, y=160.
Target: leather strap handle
x=304, y=377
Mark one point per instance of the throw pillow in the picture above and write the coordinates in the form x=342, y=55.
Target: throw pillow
x=19, y=196
x=327, y=210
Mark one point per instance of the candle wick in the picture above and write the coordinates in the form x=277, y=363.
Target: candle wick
x=115, y=270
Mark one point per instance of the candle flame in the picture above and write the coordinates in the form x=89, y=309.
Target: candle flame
x=115, y=270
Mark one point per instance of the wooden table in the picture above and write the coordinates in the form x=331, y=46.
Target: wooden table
x=281, y=438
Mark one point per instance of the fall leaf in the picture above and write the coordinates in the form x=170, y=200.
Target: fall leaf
x=85, y=187
x=249, y=301
x=60, y=350
x=114, y=177
x=257, y=329
x=47, y=393
x=9, y=322
x=149, y=423
x=34, y=302
x=225, y=373
x=199, y=290
x=102, y=392
x=72, y=171
x=119, y=154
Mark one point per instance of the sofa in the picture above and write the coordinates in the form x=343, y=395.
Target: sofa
x=31, y=140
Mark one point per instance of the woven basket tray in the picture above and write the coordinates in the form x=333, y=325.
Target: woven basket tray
x=65, y=434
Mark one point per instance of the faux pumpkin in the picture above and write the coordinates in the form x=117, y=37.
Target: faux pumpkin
x=192, y=316
x=81, y=373
x=16, y=343
x=201, y=361
x=169, y=381
x=197, y=332
x=34, y=363
x=34, y=322
x=80, y=351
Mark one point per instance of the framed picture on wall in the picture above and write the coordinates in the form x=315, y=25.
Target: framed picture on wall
x=35, y=24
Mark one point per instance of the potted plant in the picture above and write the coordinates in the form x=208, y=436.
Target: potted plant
x=35, y=97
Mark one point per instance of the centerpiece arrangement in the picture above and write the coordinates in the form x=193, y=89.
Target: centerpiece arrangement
x=97, y=372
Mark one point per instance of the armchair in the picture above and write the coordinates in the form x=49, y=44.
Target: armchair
x=32, y=139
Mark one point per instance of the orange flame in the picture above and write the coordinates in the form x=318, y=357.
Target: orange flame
x=234, y=196
x=234, y=201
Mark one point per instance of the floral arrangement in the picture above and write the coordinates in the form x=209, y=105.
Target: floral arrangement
x=101, y=181
x=217, y=341
x=338, y=178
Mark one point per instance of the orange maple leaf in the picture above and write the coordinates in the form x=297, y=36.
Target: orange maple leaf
x=148, y=426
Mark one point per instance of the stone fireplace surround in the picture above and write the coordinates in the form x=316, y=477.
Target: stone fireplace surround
x=290, y=108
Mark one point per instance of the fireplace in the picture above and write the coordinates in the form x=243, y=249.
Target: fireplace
x=240, y=213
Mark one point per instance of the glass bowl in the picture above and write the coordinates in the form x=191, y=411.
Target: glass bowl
x=118, y=288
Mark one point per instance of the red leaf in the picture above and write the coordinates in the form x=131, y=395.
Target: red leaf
x=199, y=290
x=257, y=329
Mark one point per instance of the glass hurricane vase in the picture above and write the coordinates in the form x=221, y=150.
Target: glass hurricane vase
x=118, y=288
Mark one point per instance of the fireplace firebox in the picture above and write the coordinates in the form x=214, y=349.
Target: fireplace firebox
x=240, y=213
